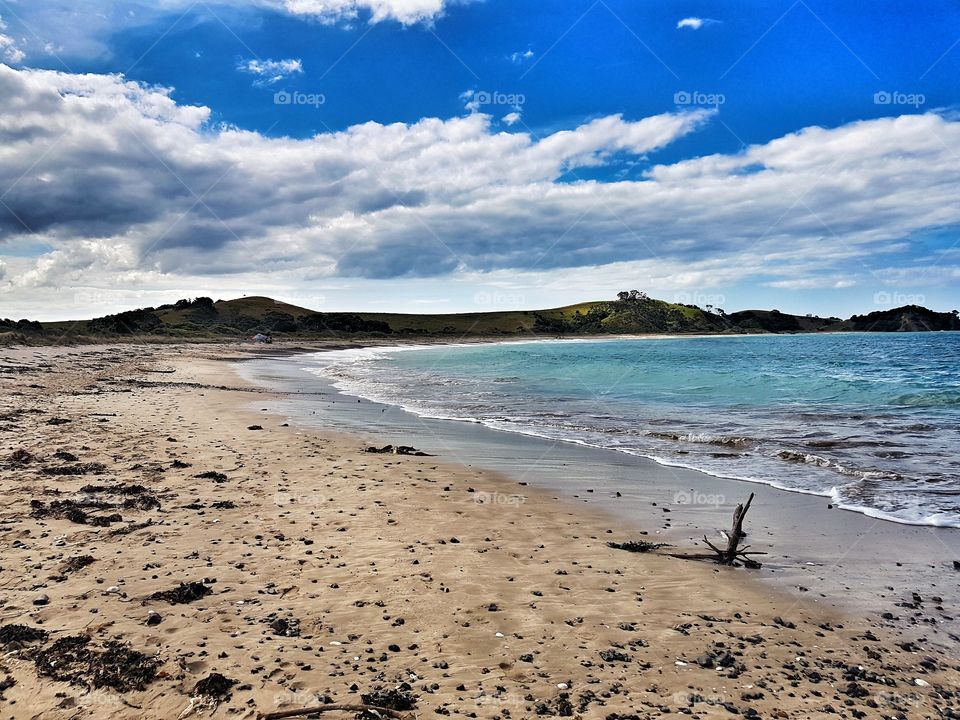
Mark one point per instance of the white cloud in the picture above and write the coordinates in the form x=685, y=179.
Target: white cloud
x=407, y=12
x=123, y=185
x=269, y=72
x=814, y=283
x=695, y=23
x=519, y=57
x=471, y=100
x=9, y=50
x=512, y=118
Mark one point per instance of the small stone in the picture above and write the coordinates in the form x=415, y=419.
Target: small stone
x=41, y=600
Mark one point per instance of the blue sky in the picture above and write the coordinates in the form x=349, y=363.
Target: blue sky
x=414, y=154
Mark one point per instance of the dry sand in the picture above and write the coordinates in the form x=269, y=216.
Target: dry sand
x=332, y=573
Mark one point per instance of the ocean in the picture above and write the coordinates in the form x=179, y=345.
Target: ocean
x=871, y=421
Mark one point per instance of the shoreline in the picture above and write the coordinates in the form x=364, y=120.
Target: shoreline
x=858, y=509
x=392, y=573
x=931, y=520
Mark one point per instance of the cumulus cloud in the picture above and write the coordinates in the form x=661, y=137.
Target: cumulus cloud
x=122, y=183
x=269, y=72
x=118, y=164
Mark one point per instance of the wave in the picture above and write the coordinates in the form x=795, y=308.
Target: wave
x=818, y=461
x=930, y=400
x=701, y=438
x=849, y=443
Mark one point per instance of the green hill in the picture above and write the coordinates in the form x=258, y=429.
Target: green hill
x=631, y=313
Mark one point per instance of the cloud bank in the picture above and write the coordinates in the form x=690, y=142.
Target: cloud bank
x=104, y=181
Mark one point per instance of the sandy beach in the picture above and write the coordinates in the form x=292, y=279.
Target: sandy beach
x=170, y=551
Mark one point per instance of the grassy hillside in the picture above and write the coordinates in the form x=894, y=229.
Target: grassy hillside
x=778, y=322
x=202, y=319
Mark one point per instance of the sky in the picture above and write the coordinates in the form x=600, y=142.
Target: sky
x=466, y=155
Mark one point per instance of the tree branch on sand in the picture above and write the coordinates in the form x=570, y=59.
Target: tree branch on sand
x=734, y=551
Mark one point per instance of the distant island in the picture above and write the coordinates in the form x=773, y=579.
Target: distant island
x=632, y=312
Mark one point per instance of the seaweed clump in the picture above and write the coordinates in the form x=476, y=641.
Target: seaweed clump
x=184, y=593
x=116, y=665
x=636, y=546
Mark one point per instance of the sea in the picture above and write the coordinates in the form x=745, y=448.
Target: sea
x=871, y=421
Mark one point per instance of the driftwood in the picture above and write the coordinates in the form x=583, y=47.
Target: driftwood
x=734, y=551
x=334, y=707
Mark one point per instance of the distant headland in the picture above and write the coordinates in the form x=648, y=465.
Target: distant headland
x=632, y=312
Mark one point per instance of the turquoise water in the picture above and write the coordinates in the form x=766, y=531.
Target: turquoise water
x=871, y=420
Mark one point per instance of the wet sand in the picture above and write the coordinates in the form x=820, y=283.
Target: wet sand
x=315, y=571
